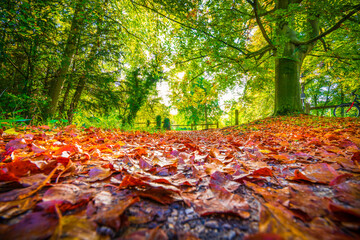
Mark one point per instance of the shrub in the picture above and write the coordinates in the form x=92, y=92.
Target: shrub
x=166, y=125
x=158, y=122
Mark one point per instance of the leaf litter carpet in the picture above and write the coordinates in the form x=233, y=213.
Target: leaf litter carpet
x=277, y=178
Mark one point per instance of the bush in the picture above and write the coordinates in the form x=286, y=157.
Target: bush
x=158, y=122
x=166, y=125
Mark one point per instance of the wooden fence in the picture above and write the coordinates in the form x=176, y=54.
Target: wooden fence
x=192, y=126
x=308, y=108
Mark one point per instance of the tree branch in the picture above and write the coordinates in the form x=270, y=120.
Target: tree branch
x=333, y=28
x=260, y=52
x=261, y=26
x=337, y=57
x=126, y=30
x=193, y=28
x=201, y=73
x=188, y=60
x=17, y=69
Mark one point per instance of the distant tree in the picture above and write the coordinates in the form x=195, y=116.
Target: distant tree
x=166, y=125
x=139, y=83
x=197, y=100
x=244, y=34
x=158, y=121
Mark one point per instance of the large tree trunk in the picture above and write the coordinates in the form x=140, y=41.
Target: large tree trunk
x=287, y=86
x=58, y=80
x=289, y=56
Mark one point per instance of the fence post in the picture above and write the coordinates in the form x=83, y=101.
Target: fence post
x=307, y=108
x=236, y=117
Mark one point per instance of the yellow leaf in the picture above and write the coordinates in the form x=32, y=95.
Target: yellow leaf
x=264, y=151
x=11, y=131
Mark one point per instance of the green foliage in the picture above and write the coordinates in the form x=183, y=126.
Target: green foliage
x=197, y=100
x=121, y=49
x=140, y=83
x=158, y=122
x=21, y=106
x=166, y=125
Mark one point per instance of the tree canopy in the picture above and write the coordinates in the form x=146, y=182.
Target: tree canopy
x=90, y=58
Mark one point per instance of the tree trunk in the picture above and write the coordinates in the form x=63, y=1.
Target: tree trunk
x=289, y=56
x=89, y=68
x=66, y=95
x=79, y=89
x=58, y=80
x=287, y=86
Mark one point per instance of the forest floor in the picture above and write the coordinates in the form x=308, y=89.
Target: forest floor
x=277, y=178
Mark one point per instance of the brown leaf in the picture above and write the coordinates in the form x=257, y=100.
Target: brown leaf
x=111, y=218
x=37, y=225
x=224, y=202
x=74, y=227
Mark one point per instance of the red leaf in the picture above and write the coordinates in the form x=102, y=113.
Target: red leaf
x=345, y=214
x=317, y=173
x=224, y=202
x=262, y=172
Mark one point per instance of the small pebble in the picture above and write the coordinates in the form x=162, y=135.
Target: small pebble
x=231, y=235
x=176, y=206
x=174, y=212
x=199, y=228
x=171, y=220
x=227, y=226
x=244, y=227
x=189, y=211
x=103, y=230
x=186, y=226
x=193, y=224
x=152, y=225
x=211, y=224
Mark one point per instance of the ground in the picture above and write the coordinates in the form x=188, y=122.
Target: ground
x=277, y=178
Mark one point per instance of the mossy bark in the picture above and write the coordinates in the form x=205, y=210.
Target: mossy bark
x=289, y=55
x=287, y=86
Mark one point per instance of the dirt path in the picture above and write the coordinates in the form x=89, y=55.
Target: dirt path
x=280, y=178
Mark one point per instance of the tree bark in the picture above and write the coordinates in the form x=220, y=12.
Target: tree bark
x=287, y=86
x=58, y=81
x=89, y=68
x=289, y=57
x=79, y=89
